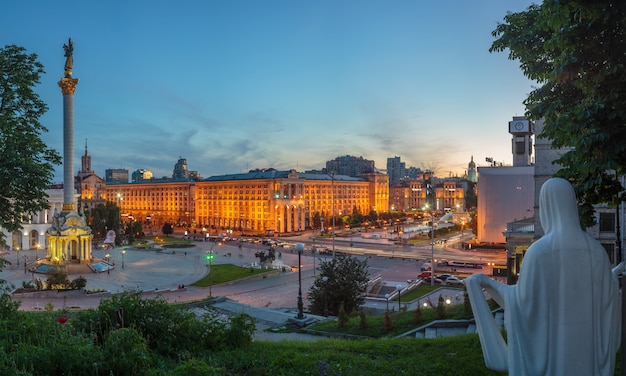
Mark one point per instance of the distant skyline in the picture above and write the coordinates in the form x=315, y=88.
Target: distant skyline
x=237, y=85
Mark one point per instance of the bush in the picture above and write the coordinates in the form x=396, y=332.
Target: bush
x=417, y=318
x=388, y=322
x=343, y=317
x=363, y=320
x=78, y=283
x=441, y=308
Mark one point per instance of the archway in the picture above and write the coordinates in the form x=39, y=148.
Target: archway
x=16, y=241
x=33, y=239
x=72, y=248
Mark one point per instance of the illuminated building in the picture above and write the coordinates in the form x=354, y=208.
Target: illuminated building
x=267, y=201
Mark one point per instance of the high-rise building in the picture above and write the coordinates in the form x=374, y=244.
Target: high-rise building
x=396, y=170
x=116, y=175
x=141, y=175
x=350, y=166
x=181, y=172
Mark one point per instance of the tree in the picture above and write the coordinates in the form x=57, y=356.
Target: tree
x=575, y=52
x=134, y=230
x=105, y=217
x=27, y=164
x=345, y=284
x=167, y=229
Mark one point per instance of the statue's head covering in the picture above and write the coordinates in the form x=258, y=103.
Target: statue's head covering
x=558, y=208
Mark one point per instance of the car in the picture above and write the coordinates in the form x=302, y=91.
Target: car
x=423, y=275
x=454, y=281
x=425, y=266
x=436, y=280
x=443, y=277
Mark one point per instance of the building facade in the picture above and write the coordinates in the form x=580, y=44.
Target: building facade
x=350, y=166
x=90, y=186
x=116, y=175
x=32, y=236
x=396, y=169
x=267, y=201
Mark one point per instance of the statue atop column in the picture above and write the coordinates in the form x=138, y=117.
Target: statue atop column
x=564, y=315
x=69, y=58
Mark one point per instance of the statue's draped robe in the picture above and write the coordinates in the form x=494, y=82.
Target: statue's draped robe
x=563, y=316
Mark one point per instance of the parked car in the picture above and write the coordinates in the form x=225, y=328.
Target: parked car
x=426, y=266
x=444, y=277
x=437, y=281
x=423, y=275
x=454, y=281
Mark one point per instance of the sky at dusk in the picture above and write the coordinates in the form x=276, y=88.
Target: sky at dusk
x=237, y=85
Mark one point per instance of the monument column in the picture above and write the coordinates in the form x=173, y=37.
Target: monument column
x=68, y=88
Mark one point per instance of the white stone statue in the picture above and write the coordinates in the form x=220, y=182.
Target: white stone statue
x=563, y=315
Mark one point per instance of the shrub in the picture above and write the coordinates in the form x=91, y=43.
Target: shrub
x=388, y=322
x=343, y=317
x=441, y=308
x=417, y=318
x=363, y=320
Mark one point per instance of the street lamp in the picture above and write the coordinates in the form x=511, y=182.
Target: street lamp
x=209, y=258
x=17, y=250
x=399, y=287
x=325, y=280
x=123, y=251
x=36, y=251
x=25, y=258
x=387, y=297
x=300, y=248
x=432, y=247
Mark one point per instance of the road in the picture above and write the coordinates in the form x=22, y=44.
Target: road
x=162, y=272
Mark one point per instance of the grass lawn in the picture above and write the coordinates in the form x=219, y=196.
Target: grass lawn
x=375, y=326
x=457, y=356
x=227, y=272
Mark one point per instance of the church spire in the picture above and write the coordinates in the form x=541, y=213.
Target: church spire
x=85, y=162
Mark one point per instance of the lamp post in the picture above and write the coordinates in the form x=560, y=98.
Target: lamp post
x=432, y=247
x=209, y=258
x=387, y=297
x=25, y=258
x=300, y=248
x=17, y=251
x=399, y=287
x=332, y=200
x=123, y=251
x=36, y=251
x=325, y=280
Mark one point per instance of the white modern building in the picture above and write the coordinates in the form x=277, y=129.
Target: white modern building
x=33, y=234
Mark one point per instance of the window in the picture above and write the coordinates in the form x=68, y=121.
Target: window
x=607, y=222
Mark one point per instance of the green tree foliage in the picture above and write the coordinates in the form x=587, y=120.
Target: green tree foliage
x=166, y=330
x=471, y=200
x=441, y=308
x=57, y=280
x=343, y=317
x=467, y=306
x=575, y=51
x=27, y=164
x=105, y=217
x=167, y=229
x=388, y=322
x=346, y=284
x=363, y=320
x=417, y=317
x=134, y=231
